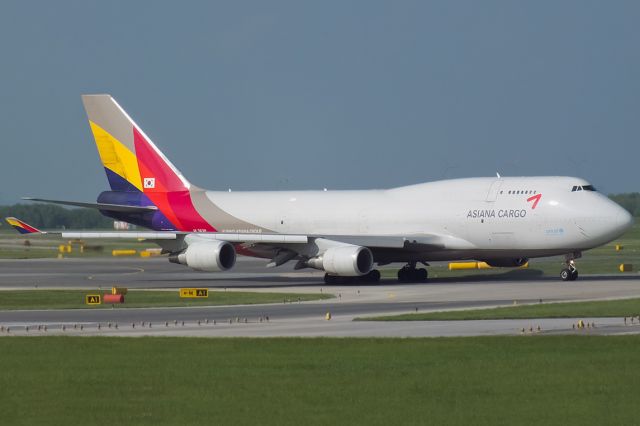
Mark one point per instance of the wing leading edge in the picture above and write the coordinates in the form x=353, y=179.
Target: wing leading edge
x=280, y=247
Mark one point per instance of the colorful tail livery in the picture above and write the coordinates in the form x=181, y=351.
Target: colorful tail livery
x=22, y=227
x=138, y=173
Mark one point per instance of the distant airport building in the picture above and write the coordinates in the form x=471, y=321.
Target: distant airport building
x=121, y=226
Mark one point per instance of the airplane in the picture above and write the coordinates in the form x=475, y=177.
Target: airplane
x=503, y=221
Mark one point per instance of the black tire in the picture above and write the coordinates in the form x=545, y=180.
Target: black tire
x=403, y=275
x=565, y=275
x=421, y=274
x=329, y=279
x=373, y=276
x=574, y=275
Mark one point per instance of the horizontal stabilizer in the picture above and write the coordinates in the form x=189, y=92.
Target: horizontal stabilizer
x=100, y=206
x=22, y=227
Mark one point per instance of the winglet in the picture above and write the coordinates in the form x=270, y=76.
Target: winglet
x=22, y=227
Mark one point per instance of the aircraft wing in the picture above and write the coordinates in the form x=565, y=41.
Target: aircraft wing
x=377, y=241
x=164, y=238
x=171, y=235
x=173, y=241
x=100, y=206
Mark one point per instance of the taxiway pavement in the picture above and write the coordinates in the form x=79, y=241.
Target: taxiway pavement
x=292, y=319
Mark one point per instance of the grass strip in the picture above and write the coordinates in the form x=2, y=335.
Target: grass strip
x=606, y=308
x=70, y=299
x=541, y=380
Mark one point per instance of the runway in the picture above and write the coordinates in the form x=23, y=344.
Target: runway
x=292, y=319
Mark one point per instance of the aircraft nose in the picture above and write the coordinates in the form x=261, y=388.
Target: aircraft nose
x=624, y=220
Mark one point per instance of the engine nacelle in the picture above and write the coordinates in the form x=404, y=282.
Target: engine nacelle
x=507, y=263
x=209, y=256
x=348, y=261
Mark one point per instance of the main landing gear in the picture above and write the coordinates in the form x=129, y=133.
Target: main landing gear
x=410, y=274
x=373, y=277
x=570, y=273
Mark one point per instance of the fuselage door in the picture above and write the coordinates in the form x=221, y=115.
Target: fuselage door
x=493, y=190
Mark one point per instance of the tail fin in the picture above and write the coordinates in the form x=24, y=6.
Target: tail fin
x=139, y=174
x=131, y=160
x=22, y=227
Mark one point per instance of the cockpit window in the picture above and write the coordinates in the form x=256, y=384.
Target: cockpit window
x=583, y=188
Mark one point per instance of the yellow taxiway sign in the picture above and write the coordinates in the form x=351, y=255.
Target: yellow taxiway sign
x=194, y=292
x=92, y=299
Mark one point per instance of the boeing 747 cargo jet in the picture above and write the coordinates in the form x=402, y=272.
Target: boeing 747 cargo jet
x=503, y=221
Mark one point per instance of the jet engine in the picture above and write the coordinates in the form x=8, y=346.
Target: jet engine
x=349, y=261
x=210, y=256
x=507, y=263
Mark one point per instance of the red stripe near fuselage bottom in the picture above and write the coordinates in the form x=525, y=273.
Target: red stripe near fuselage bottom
x=244, y=251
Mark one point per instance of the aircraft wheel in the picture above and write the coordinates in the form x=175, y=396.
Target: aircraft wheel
x=421, y=274
x=565, y=275
x=330, y=279
x=407, y=275
x=574, y=275
x=373, y=276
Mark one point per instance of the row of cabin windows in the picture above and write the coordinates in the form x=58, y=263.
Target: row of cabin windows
x=520, y=192
x=583, y=188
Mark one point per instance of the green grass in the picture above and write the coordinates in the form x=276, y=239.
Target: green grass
x=541, y=380
x=69, y=299
x=16, y=246
x=606, y=308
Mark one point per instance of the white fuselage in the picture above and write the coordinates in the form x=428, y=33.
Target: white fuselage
x=484, y=216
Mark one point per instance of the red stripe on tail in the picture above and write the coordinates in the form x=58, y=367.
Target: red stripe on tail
x=165, y=188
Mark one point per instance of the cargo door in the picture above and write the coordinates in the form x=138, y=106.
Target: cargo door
x=493, y=190
x=498, y=232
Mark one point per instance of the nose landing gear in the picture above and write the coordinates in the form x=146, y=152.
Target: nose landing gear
x=570, y=273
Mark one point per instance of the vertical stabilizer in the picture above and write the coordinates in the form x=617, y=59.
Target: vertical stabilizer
x=138, y=172
x=131, y=160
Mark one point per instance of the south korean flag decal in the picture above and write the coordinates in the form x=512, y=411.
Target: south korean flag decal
x=149, y=183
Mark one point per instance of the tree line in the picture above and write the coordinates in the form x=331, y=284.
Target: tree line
x=50, y=216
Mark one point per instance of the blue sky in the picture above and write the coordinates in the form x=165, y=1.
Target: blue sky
x=285, y=95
